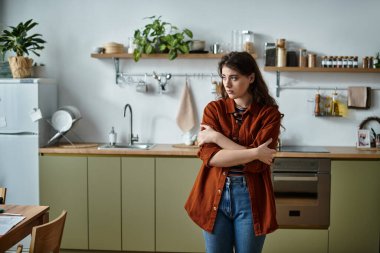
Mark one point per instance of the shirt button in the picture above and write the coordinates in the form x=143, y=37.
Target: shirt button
x=219, y=191
x=224, y=173
x=214, y=208
x=235, y=138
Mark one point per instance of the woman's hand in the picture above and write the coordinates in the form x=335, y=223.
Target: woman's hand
x=206, y=135
x=264, y=153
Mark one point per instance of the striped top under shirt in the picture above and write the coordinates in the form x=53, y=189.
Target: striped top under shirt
x=238, y=115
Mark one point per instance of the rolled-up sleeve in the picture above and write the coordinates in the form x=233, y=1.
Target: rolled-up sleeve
x=271, y=122
x=210, y=118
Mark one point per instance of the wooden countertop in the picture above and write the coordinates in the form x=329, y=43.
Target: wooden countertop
x=169, y=150
x=157, y=150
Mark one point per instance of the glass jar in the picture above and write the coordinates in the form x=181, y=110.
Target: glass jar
x=248, y=41
x=302, y=59
x=236, y=41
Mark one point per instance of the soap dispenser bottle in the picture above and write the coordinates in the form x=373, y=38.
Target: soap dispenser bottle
x=112, y=137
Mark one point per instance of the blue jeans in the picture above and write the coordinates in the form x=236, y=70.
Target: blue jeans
x=233, y=227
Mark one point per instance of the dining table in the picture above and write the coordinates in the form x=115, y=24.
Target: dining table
x=34, y=216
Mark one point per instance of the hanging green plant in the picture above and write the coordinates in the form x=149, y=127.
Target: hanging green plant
x=161, y=37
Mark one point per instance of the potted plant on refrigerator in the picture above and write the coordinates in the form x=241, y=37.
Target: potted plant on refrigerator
x=161, y=37
x=16, y=39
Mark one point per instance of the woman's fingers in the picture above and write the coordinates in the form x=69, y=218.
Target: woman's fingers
x=268, y=142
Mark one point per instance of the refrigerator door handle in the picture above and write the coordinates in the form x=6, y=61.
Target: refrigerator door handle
x=19, y=133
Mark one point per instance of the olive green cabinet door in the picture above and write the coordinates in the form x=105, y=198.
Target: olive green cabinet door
x=297, y=241
x=138, y=204
x=104, y=203
x=355, y=207
x=63, y=186
x=175, y=231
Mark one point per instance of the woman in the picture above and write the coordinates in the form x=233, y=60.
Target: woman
x=232, y=198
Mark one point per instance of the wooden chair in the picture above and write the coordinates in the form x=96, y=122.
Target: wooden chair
x=47, y=237
x=3, y=193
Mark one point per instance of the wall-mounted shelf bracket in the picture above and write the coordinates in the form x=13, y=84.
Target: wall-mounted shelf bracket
x=278, y=83
x=116, y=62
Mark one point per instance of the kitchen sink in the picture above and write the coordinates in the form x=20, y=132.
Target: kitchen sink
x=120, y=146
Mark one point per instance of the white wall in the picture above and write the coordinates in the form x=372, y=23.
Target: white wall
x=72, y=28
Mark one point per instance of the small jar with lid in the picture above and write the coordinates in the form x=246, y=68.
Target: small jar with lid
x=345, y=62
x=248, y=39
x=339, y=62
x=302, y=59
x=312, y=60
x=355, y=62
x=365, y=62
x=370, y=62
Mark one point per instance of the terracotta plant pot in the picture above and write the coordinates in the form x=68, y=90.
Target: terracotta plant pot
x=21, y=66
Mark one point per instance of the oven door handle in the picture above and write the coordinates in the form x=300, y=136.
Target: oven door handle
x=289, y=178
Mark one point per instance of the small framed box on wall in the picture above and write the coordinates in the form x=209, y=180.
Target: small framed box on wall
x=363, y=139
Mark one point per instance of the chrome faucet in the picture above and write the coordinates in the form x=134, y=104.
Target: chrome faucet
x=133, y=138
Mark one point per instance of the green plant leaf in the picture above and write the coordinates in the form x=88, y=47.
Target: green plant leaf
x=148, y=49
x=172, y=55
x=184, y=49
x=136, y=55
x=188, y=33
x=162, y=47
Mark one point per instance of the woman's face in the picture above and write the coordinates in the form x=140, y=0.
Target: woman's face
x=236, y=84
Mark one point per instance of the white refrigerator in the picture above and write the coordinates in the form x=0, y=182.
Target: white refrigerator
x=21, y=135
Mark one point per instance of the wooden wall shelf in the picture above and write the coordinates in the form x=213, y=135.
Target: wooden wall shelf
x=278, y=70
x=318, y=69
x=160, y=56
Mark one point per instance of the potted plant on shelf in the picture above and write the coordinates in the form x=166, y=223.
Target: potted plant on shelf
x=161, y=37
x=16, y=39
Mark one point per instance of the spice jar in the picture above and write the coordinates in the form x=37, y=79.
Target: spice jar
x=365, y=62
x=281, y=53
x=248, y=41
x=281, y=57
x=302, y=59
x=312, y=60
x=270, y=54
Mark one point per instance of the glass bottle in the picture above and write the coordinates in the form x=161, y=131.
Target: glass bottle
x=112, y=137
x=334, y=104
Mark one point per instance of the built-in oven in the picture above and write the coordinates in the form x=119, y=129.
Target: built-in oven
x=302, y=192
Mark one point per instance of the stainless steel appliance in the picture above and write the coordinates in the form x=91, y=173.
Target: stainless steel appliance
x=302, y=191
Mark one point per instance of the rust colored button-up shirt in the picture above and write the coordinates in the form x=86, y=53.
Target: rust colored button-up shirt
x=259, y=123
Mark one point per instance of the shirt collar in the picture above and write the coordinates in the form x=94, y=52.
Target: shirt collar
x=230, y=104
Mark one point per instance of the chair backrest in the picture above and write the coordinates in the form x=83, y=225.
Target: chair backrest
x=47, y=237
x=3, y=194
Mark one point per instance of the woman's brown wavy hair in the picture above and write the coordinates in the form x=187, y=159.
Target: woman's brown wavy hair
x=246, y=65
